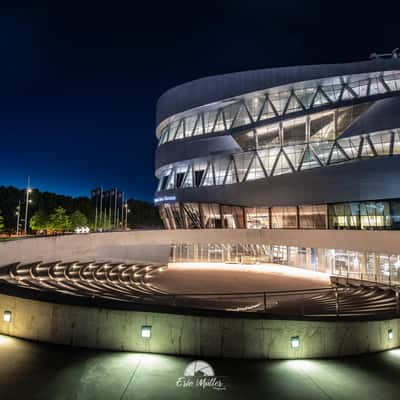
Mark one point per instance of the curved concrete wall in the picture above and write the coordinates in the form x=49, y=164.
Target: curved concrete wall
x=216, y=88
x=197, y=147
x=154, y=246
x=204, y=336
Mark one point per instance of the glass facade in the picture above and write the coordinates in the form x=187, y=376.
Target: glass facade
x=365, y=215
x=353, y=264
x=375, y=215
x=257, y=107
x=263, y=163
x=282, y=130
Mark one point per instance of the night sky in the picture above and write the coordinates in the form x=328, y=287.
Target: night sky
x=79, y=84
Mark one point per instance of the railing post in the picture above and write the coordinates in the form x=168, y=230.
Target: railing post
x=265, y=302
x=397, y=301
x=337, y=301
x=302, y=305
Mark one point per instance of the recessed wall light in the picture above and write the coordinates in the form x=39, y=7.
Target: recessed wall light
x=146, y=331
x=295, y=342
x=7, y=316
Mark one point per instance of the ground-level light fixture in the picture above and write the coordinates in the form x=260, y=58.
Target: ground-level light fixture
x=390, y=334
x=7, y=316
x=295, y=342
x=146, y=331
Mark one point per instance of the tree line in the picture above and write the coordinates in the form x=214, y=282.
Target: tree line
x=51, y=211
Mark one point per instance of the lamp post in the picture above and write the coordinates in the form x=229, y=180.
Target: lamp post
x=28, y=192
x=18, y=215
x=126, y=215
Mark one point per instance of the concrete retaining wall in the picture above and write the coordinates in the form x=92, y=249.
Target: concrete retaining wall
x=192, y=335
x=154, y=246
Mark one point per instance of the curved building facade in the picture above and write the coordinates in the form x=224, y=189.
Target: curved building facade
x=309, y=147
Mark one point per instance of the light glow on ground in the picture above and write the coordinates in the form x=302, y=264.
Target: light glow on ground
x=253, y=268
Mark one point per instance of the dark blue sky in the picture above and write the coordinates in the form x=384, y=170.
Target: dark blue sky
x=79, y=83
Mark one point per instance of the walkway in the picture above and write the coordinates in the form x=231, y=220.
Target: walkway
x=40, y=371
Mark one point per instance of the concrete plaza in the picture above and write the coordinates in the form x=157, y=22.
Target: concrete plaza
x=31, y=370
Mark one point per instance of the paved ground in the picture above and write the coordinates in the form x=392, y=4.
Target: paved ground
x=40, y=371
x=225, y=278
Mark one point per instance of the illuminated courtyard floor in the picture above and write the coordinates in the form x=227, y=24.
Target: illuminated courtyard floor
x=41, y=371
x=225, y=278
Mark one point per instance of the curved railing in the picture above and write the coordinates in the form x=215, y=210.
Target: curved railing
x=134, y=284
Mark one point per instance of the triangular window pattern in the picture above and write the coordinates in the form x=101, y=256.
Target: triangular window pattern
x=256, y=170
x=367, y=150
x=351, y=146
x=282, y=166
x=347, y=95
x=376, y=87
x=322, y=150
x=209, y=120
x=305, y=96
x=242, y=117
x=171, y=181
x=337, y=155
x=180, y=131
x=254, y=106
x=333, y=92
x=310, y=160
x=268, y=110
x=172, y=130
x=230, y=113
x=164, y=180
x=294, y=153
x=209, y=176
x=392, y=81
x=268, y=158
x=279, y=100
x=230, y=174
x=199, y=129
x=164, y=135
x=219, y=122
x=293, y=105
x=320, y=99
x=220, y=167
x=381, y=142
x=188, y=181
x=360, y=88
x=242, y=162
x=396, y=142
x=190, y=124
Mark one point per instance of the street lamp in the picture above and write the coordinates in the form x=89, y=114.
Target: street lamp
x=18, y=214
x=28, y=192
x=126, y=215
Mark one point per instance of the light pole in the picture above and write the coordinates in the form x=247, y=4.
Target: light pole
x=18, y=215
x=115, y=208
x=28, y=191
x=101, y=205
x=126, y=215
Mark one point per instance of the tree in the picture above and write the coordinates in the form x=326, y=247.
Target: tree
x=59, y=220
x=1, y=222
x=78, y=219
x=39, y=221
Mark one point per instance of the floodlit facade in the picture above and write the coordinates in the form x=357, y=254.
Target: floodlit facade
x=309, y=147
